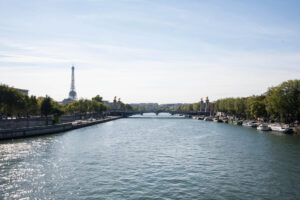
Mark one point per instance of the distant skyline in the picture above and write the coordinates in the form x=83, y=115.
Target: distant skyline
x=149, y=50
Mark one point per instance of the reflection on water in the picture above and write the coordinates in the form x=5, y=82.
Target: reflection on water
x=152, y=157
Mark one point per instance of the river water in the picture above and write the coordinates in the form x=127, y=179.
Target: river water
x=149, y=157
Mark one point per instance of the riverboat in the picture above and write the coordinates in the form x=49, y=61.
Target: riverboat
x=225, y=120
x=216, y=119
x=237, y=122
x=250, y=124
x=201, y=118
x=281, y=128
x=263, y=127
x=208, y=119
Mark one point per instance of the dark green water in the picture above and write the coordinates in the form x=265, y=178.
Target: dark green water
x=152, y=158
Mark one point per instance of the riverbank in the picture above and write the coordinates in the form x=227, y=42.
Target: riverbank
x=262, y=126
x=44, y=130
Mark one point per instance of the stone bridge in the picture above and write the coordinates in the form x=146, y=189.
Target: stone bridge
x=130, y=113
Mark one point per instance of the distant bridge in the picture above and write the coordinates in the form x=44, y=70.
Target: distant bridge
x=130, y=113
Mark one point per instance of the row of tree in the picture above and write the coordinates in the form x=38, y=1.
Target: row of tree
x=14, y=103
x=279, y=103
x=252, y=107
x=17, y=104
x=83, y=106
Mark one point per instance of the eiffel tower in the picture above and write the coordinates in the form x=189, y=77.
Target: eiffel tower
x=72, y=93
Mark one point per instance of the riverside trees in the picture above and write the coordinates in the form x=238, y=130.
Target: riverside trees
x=84, y=106
x=283, y=101
x=15, y=103
x=50, y=107
x=248, y=107
x=46, y=107
x=279, y=103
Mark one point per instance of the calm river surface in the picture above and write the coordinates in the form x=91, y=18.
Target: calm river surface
x=152, y=158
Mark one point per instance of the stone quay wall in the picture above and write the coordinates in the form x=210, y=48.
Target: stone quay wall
x=41, y=121
x=50, y=129
x=24, y=122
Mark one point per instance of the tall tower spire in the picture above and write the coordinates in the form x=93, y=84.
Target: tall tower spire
x=72, y=93
x=72, y=83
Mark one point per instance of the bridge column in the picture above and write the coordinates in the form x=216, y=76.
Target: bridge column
x=119, y=104
x=202, y=105
x=115, y=103
x=207, y=108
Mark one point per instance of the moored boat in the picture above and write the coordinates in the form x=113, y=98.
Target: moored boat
x=225, y=120
x=217, y=119
x=250, y=124
x=237, y=122
x=208, y=119
x=201, y=118
x=263, y=127
x=281, y=128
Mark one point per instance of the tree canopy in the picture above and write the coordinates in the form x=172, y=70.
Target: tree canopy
x=281, y=103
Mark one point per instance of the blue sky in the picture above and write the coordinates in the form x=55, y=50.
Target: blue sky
x=149, y=50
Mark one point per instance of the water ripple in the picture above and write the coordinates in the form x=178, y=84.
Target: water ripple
x=152, y=159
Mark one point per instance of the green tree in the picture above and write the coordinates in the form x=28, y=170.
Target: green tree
x=258, y=109
x=196, y=106
x=32, y=107
x=240, y=106
x=12, y=101
x=128, y=107
x=46, y=107
x=57, y=110
x=283, y=101
x=97, y=98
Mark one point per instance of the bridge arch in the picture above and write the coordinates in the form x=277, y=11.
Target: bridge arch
x=130, y=113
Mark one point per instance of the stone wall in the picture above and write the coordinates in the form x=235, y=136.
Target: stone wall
x=24, y=122
x=34, y=131
x=43, y=130
x=41, y=121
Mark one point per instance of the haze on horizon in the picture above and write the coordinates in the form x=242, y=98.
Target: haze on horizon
x=149, y=50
